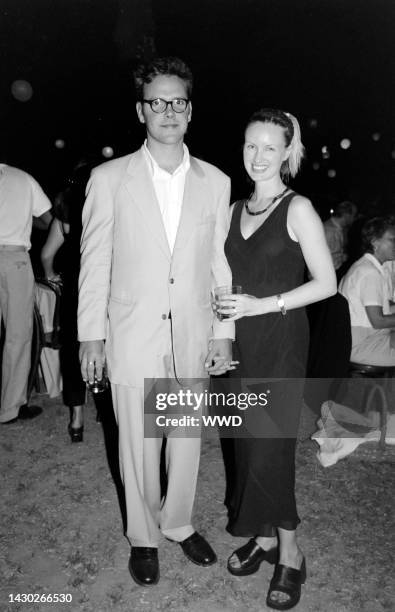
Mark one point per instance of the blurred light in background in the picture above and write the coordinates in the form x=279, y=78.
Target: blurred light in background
x=316, y=166
x=345, y=143
x=325, y=152
x=107, y=152
x=313, y=123
x=59, y=143
x=331, y=173
x=376, y=136
x=21, y=90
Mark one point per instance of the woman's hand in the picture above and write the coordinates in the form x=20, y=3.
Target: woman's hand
x=236, y=306
x=219, y=357
x=219, y=367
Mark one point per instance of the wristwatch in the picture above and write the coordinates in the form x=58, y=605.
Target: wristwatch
x=281, y=305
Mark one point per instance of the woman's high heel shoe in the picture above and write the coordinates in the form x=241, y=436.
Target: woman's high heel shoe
x=286, y=580
x=76, y=433
x=251, y=556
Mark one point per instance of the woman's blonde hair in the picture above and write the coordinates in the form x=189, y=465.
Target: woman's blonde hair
x=292, y=135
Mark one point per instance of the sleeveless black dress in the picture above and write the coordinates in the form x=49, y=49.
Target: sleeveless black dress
x=74, y=388
x=261, y=496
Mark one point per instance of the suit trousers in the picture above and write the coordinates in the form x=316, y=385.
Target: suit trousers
x=16, y=310
x=148, y=516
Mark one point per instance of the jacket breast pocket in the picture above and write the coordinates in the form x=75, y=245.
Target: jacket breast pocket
x=122, y=298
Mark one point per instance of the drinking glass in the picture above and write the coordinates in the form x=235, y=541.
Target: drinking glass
x=226, y=290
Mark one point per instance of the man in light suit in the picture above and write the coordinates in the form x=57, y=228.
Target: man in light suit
x=154, y=226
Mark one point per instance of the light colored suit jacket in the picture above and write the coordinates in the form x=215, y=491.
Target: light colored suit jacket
x=129, y=280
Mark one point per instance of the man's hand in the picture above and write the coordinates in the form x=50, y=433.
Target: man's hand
x=219, y=358
x=92, y=360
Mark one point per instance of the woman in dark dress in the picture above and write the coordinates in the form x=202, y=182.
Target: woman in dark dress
x=63, y=242
x=273, y=234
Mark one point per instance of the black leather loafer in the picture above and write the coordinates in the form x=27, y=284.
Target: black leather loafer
x=251, y=556
x=29, y=412
x=144, y=565
x=198, y=550
x=26, y=412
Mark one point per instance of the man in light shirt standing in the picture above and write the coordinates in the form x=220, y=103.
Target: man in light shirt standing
x=154, y=227
x=21, y=199
x=336, y=229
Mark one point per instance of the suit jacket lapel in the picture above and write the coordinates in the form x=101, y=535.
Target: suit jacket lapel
x=191, y=204
x=140, y=187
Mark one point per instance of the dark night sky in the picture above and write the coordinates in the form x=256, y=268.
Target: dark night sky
x=332, y=60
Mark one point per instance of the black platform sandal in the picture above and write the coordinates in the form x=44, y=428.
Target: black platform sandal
x=251, y=556
x=287, y=580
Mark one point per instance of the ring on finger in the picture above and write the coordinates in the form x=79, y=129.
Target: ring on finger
x=91, y=362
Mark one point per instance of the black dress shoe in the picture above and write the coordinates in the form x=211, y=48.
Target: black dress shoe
x=26, y=412
x=76, y=433
x=251, y=556
x=144, y=565
x=198, y=550
x=29, y=412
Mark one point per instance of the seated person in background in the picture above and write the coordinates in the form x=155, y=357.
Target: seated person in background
x=336, y=229
x=366, y=288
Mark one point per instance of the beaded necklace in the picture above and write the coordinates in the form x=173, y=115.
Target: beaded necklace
x=260, y=212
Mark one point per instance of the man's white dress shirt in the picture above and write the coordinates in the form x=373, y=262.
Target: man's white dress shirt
x=169, y=190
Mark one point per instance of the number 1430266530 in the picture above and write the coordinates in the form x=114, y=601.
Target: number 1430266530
x=40, y=598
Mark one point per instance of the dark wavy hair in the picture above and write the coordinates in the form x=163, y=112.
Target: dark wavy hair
x=375, y=229
x=167, y=66
x=345, y=207
x=291, y=128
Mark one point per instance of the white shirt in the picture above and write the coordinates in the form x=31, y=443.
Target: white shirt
x=169, y=190
x=365, y=284
x=21, y=198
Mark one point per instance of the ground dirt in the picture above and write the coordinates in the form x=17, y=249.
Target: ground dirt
x=62, y=531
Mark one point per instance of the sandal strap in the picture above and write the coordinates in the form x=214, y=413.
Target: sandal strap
x=245, y=551
x=288, y=579
x=251, y=548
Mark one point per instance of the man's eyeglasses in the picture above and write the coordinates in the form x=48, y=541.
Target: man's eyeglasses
x=159, y=105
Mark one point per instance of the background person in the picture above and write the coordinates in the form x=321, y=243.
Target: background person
x=367, y=290
x=64, y=238
x=336, y=233
x=21, y=200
